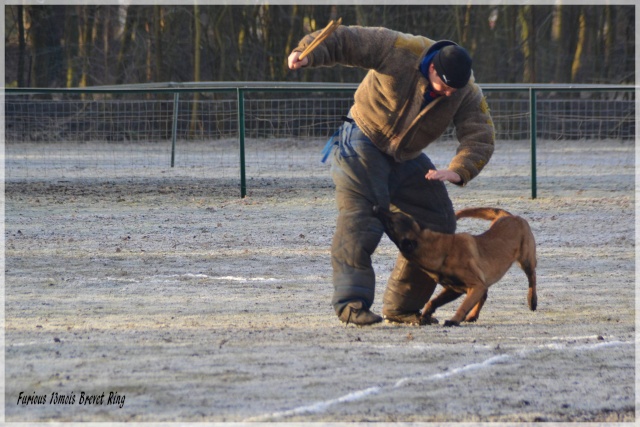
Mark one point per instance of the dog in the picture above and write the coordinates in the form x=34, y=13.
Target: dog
x=463, y=263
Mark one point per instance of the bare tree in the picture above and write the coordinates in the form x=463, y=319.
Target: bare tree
x=46, y=45
x=22, y=46
x=126, y=42
x=87, y=34
x=197, y=30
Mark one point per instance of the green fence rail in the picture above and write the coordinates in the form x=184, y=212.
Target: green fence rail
x=242, y=89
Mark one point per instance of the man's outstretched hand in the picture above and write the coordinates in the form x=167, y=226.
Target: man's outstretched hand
x=443, y=175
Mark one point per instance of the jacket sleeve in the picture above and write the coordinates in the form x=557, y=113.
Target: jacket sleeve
x=476, y=135
x=353, y=46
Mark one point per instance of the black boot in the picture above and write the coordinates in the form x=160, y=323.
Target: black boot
x=356, y=313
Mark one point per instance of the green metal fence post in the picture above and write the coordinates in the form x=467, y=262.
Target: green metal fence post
x=243, y=178
x=174, y=127
x=532, y=126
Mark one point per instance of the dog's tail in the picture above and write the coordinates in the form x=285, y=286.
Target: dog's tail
x=490, y=214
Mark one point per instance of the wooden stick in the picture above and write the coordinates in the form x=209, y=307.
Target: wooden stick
x=330, y=28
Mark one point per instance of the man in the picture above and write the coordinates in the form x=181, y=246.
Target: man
x=413, y=90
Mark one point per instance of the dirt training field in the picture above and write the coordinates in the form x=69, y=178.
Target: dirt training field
x=172, y=299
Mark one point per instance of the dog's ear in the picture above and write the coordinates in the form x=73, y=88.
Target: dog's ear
x=407, y=245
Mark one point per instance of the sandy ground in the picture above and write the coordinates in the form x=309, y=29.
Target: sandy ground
x=187, y=303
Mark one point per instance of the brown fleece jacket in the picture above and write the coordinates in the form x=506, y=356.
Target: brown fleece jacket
x=388, y=101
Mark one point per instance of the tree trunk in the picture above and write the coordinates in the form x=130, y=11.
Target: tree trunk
x=465, y=26
x=608, y=41
x=71, y=49
x=527, y=37
x=103, y=37
x=197, y=35
x=46, y=37
x=290, y=43
x=21, y=46
x=577, y=57
x=361, y=16
x=86, y=41
x=157, y=43
x=509, y=71
x=125, y=47
x=218, y=65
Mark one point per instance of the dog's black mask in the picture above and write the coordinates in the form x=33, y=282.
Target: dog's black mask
x=399, y=227
x=407, y=246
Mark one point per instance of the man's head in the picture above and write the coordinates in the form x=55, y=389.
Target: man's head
x=453, y=66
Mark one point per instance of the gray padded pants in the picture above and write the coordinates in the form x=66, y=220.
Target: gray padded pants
x=364, y=176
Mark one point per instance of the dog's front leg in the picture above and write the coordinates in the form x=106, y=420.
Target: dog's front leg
x=474, y=296
x=475, y=313
x=446, y=296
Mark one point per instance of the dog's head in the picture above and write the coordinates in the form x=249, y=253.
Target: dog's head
x=403, y=230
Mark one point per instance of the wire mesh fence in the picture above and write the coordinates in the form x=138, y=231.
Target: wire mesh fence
x=146, y=133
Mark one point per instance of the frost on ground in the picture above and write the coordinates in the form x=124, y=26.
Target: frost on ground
x=188, y=303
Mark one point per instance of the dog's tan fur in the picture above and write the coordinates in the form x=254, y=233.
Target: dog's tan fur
x=464, y=263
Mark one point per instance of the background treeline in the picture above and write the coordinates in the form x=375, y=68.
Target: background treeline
x=87, y=45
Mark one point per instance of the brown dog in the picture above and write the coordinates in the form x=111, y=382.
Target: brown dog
x=463, y=263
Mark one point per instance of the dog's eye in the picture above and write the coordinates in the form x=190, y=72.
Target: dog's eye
x=408, y=245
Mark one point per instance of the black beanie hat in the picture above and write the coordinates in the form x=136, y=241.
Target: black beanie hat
x=453, y=65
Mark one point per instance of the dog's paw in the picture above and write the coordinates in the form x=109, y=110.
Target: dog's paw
x=449, y=323
x=429, y=320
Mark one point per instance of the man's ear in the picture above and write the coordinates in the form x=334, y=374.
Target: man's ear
x=408, y=245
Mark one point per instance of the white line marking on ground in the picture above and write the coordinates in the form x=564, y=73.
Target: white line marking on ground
x=163, y=278
x=319, y=406
x=357, y=395
x=23, y=344
x=244, y=279
x=361, y=394
x=585, y=347
x=490, y=361
x=228, y=278
x=191, y=275
x=557, y=338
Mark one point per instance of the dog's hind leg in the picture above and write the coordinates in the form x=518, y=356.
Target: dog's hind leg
x=446, y=296
x=528, y=263
x=474, y=295
x=532, y=295
x=474, y=314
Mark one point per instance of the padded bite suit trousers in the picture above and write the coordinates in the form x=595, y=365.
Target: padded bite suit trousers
x=363, y=177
